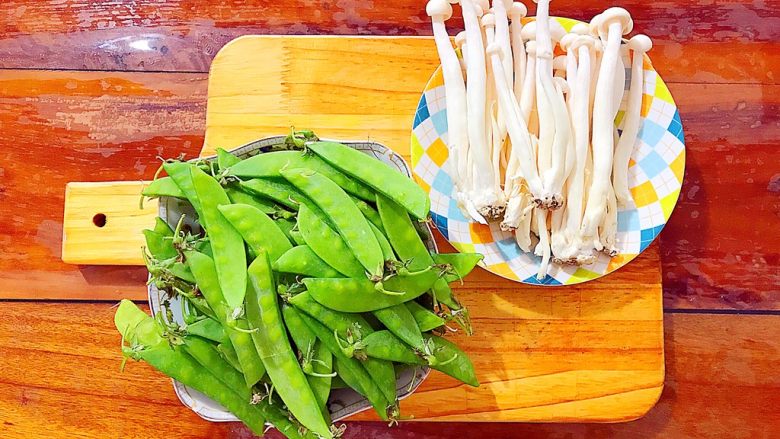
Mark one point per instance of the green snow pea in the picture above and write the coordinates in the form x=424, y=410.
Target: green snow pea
x=209, y=329
x=369, y=212
x=159, y=246
x=350, y=369
x=182, y=176
x=238, y=196
x=452, y=360
x=269, y=164
x=270, y=337
x=399, y=320
x=228, y=353
x=205, y=274
x=302, y=260
x=327, y=244
x=257, y=229
x=226, y=243
x=226, y=159
x=345, y=216
x=277, y=190
x=426, y=319
x=379, y=176
x=461, y=263
x=162, y=187
x=384, y=244
x=362, y=295
x=386, y=346
x=207, y=355
x=161, y=227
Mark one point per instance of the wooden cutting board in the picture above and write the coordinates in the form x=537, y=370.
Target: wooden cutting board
x=591, y=352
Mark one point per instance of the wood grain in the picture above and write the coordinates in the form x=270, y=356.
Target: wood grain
x=703, y=41
x=61, y=377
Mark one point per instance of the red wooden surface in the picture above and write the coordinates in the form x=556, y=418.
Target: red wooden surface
x=145, y=97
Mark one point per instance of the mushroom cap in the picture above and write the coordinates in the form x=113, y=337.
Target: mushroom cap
x=583, y=40
x=567, y=40
x=561, y=83
x=556, y=30
x=530, y=47
x=460, y=38
x=580, y=29
x=640, y=43
x=529, y=31
x=494, y=48
x=488, y=20
x=593, y=26
x=517, y=11
x=439, y=9
x=483, y=4
x=559, y=62
x=615, y=15
x=507, y=4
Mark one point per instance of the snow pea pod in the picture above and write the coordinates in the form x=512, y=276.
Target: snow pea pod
x=314, y=356
x=461, y=263
x=386, y=346
x=226, y=243
x=163, y=187
x=342, y=212
x=147, y=344
x=333, y=320
x=226, y=159
x=257, y=229
x=349, y=369
x=286, y=226
x=399, y=320
x=369, y=212
x=207, y=355
x=327, y=244
x=302, y=260
x=269, y=164
x=238, y=196
x=426, y=319
x=160, y=247
x=263, y=314
x=362, y=295
x=376, y=174
x=209, y=329
x=277, y=190
x=452, y=360
x=384, y=244
x=408, y=246
x=205, y=274
x=161, y=227
x=228, y=353
x=182, y=176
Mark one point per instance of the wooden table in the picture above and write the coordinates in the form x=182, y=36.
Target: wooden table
x=92, y=92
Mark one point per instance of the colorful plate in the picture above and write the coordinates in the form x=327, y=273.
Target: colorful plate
x=655, y=177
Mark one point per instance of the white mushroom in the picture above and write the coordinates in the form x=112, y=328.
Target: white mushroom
x=640, y=44
x=528, y=95
x=455, y=91
x=615, y=22
x=484, y=196
x=543, y=247
x=501, y=12
x=460, y=40
x=516, y=14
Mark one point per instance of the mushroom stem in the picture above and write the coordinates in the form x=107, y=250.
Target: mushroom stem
x=543, y=247
x=640, y=45
x=516, y=13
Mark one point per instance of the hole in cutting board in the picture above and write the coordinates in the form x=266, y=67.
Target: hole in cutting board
x=99, y=219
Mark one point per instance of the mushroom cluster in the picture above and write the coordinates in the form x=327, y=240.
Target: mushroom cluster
x=532, y=138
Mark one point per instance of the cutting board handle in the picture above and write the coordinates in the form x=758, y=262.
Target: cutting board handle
x=103, y=223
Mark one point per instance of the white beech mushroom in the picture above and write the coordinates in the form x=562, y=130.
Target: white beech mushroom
x=528, y=95
x=615, y=22
x=584, y=46
x=460, y=39
x=485, y=197
x=543, y=247
x=501, y=13
x=516, y=14
x=640, y=44
x=518, y=131
x=495, y=124
x=455, y=91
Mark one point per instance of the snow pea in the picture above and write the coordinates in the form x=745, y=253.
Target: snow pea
x=277, y=190
x=163, y=187
x=333, y=320
x=369, y=212
x=181, y=174
x=160, y=247
x=384, y=244
x=257, y=229
x=386, y=346
x=426, y=319
x=349, y=369
x=302, y=260
x=226, y=243
x=270, y=337
x=238, y=196
x=205, y=274
x=452, y=360
x=269, y=164
x=286, y=226
x=161, y=227
x=399, y=320
x=379, y=176
x=342, y=212
x=327, y=244
x=461, y=263
x=315, y=357
x=226, y=159
x=228, y=353
x=362, y=295
x=207, y=355
x=209, y=329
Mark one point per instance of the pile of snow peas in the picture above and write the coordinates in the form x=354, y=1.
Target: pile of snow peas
x=310, y=273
